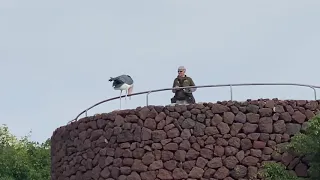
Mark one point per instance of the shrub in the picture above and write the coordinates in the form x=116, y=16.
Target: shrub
x=305, y=143
x=22, y=158
x=277, y=171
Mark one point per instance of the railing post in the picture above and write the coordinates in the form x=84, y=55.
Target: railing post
x=231, y=94
x=315, y=93
x=147, y=98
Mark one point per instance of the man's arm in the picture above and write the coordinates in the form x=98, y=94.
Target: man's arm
x=174, y=85
x=192, y=84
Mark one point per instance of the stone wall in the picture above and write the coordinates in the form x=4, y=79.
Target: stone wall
x=223, y=140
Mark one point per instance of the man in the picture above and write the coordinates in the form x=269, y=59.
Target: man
x=183, y=96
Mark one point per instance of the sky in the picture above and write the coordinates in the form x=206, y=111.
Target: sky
x=56, y=56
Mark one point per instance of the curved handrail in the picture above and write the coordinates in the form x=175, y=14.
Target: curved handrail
x=202, y=86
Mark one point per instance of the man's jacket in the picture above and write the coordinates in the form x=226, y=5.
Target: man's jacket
x=180, y=94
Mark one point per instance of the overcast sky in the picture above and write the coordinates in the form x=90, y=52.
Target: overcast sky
x=56, y=56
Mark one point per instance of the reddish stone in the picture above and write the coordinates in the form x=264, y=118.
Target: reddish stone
x=221, y=173
x=298, y=117
x=240, y=117
x=301, y=170
x=259, y=144
x=228, y=117
x=249, y=128
x=218, y=108
x=265, y=112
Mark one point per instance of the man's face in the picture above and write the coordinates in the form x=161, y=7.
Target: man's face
x=181, y=72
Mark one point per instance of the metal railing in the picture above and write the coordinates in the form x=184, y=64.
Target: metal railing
x=203, y=86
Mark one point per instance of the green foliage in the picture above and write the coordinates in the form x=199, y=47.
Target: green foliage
x=306, y=144
x=22, y=158
x=276, y=171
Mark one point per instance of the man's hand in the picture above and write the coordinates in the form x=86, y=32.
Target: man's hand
x=187, y=90
x=177, y=87
x=174, y=90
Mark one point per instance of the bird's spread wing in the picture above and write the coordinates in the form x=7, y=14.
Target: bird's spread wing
x=126, y=79
x=118, y=81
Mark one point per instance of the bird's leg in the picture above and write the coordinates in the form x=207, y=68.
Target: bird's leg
x=126, y=93
x=130, y=91
x=120, y=98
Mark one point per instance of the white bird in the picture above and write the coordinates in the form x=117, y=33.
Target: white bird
x=122, y=82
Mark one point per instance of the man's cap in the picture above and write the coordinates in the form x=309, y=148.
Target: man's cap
x=181, y=68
